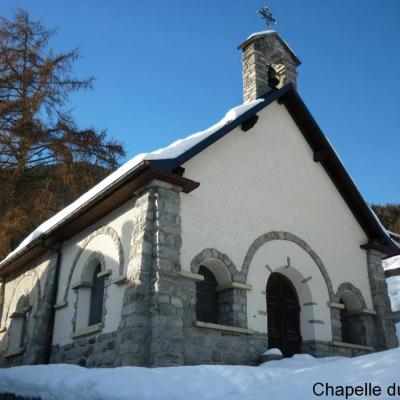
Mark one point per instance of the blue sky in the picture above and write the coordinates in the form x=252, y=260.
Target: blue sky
x=165, y=69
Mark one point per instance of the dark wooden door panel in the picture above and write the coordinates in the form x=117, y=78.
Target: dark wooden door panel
x=283, y=315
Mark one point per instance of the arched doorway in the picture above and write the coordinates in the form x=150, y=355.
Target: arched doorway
x=283, y=315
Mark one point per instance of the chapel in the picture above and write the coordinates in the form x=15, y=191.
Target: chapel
x=248, y=236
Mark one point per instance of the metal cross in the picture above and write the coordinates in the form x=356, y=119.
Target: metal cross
x=267, y=16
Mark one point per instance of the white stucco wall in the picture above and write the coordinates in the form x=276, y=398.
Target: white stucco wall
x=121, y=221
x=266, y=180
x=29, y=283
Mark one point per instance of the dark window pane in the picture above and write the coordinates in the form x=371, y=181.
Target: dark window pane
x=207, y=297
x=96, y=298
x=23, y=330
x=22, y=306
x=345, y=325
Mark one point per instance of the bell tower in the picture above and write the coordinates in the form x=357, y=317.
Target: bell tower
x=268, y=62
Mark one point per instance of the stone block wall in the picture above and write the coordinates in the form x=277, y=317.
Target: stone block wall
x=129, y=344
x=257, y=56
x=158, y=324
x=209, y=346
x=150, y=332
x=385, y=329
x=232, y=307
x=203, y=345
x=319, y=348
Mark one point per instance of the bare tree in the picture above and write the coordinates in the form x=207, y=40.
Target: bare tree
x=45, y=159
x=389, y=214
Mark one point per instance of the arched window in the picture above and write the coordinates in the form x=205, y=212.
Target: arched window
x=353, y=327
x=18, y=327
x=96, y=297
x=207, y=297
x=90, y=297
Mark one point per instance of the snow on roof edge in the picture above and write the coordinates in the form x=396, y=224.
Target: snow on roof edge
x=173, y=150
x=260, y=33
x=391, y=233
x=387, y=233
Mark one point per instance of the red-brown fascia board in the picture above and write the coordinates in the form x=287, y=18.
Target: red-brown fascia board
x=103, y=203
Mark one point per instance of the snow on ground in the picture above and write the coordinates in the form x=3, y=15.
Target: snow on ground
x=393, y=282
x=391, y=263
x=398, y=330
x=272, y=352
x=287, y=379
x=172, y=151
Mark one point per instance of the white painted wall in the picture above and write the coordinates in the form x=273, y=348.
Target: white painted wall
x=26, y=283
x=264, y=180
x=121, y=220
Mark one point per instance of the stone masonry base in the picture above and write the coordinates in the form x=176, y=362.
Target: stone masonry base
x=326, y=349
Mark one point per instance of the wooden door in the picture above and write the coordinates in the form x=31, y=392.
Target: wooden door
x=283, y=315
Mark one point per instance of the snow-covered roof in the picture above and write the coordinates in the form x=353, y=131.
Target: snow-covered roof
x=182, y=150
x=395, y=237
x=174, y=150
x=261, y=33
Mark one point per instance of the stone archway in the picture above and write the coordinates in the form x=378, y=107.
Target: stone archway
x=292, y=257
x=104, y=230
x=357, y=327
x=348, y=287
x=278, y=235
x=207, y=255
x=28, y=284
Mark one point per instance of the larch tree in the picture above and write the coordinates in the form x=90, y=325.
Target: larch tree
x=46, y=160
x=389, y=214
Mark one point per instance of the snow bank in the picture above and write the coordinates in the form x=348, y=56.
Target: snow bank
x=67, y=382
x=391, y=263
x=273, y=352
x=398, y=330
x=394, y=292
x=290, y=378
x=172, y=151
x=393, y=282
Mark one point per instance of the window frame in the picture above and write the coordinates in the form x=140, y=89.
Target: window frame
x=94, y=270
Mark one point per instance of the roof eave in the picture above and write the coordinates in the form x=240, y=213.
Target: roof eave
x=104, y=202
x=162, y=169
